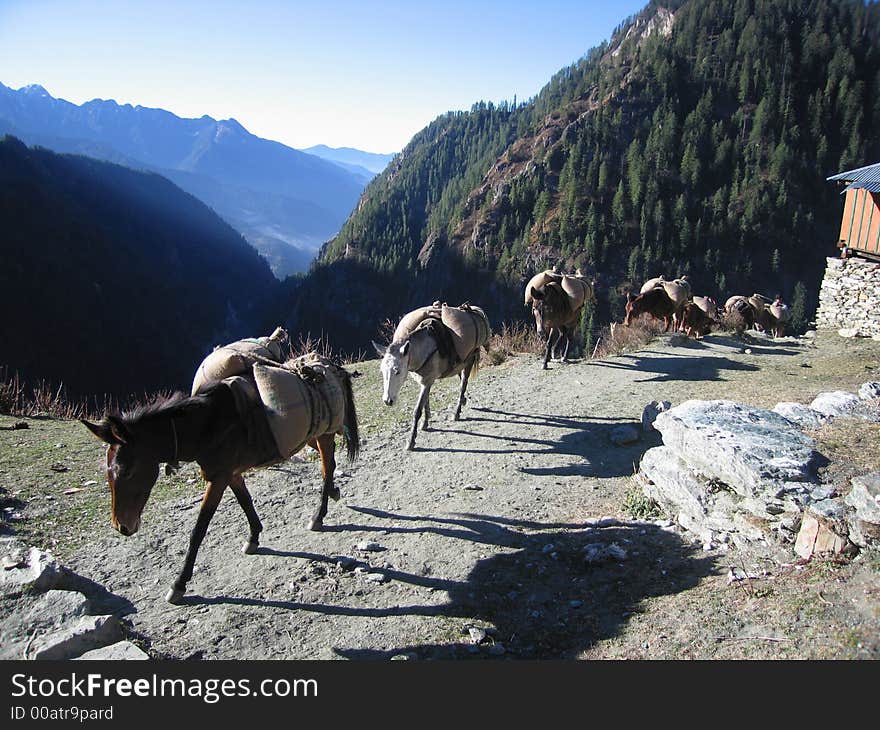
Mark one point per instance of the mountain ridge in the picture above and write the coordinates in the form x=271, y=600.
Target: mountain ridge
x=220, y=151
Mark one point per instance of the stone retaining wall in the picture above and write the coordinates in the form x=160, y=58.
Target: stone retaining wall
x=849, y=299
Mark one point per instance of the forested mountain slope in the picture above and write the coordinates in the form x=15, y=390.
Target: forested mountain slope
x=696, y=141
x=116, y=281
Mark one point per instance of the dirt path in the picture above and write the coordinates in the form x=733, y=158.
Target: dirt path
x=485, y=526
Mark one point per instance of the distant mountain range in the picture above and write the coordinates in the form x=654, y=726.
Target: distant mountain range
x=285, y=202
x=115, y=280
x=370, y=163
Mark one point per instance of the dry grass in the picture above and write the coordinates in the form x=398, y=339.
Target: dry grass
x=617, y=338
x=44, y=399
x=515, y=338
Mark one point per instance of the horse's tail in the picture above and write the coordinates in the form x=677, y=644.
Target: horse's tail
x=350, y=422
x=475, y=369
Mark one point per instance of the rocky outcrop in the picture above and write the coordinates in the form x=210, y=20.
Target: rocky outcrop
x=733, y=473
x=51, y=617
x=849, y=300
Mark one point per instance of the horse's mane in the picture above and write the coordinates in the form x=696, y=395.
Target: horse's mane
x=159, y=404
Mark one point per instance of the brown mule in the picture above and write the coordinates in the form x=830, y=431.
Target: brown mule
x=225, y=439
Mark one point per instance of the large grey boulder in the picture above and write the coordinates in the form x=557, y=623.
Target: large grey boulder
x=54, y=608
x=732, y=473
x=120, y=651
x=755, y=452
x=864, y=498
x=27, y=569
x=841, y=403
x=801, y=415
x=77, y=637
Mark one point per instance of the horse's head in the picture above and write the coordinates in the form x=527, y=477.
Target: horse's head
x=394, y=367
x=548, y=307
x=132, y=470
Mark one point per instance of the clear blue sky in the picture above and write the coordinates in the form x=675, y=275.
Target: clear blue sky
x=339, y=72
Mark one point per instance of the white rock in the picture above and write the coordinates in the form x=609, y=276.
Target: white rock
x=869, y=390
x=835, y=403
x=77, y=637
x=54, y=608
x=801, y=415
x=29, y=569
x=120, y=651
x=368, y=546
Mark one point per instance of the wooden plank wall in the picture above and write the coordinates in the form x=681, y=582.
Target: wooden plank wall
x=860, y=224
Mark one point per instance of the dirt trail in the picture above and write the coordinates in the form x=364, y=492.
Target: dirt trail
x=484, y=526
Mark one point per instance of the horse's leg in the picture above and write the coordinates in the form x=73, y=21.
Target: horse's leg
x=568, y=331
x=326, y=445
x=213, y=493
x=464, y=375
x=549, y=346
x=420, y=405
x=427, y=412
x=247, y=504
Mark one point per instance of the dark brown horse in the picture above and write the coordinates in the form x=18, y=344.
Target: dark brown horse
x=224, y=438
x=555, y=318
x=655, y=302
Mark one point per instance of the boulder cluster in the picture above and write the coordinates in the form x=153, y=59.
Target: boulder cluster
x=731, y=473
x=52, y=618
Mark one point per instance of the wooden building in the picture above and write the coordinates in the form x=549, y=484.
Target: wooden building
x=860, y=223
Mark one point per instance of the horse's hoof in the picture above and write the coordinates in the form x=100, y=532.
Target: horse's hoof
x=316, y=525
x=411, y=447
x=334, y=494
x=175, y=596
x=250, y=548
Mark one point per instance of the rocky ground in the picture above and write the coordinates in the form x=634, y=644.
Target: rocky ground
x=517, y=532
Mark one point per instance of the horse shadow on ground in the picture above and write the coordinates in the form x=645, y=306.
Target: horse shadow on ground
x=542, y=598
x=671, y=368
x=586, y=440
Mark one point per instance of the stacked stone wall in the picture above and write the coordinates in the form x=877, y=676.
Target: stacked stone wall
x=849, y=300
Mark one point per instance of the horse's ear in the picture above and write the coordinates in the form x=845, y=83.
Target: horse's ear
x=380, y=349
x=536, y=294
x=404, y=348
x=108, y=431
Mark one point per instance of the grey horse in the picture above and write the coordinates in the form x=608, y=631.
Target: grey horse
x=426, y=354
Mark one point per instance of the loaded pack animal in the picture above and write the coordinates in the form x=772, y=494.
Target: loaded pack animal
x=741, y=312
x=228, y=426
x=775, y=316
x=654, y=302
x=699, y=316
x=557, y=301
x=678, y=290
x=431, y=343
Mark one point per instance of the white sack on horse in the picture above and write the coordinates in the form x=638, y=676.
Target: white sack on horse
x=678, y=291
x=237, y=358
x=652, y=284
x=540, y=280
x=469, y=326
x=734, y=301
x=579, y=290
x=302, y=400
x=410, y=321
x=759, y=302
x=707, y=304
x=780, y=311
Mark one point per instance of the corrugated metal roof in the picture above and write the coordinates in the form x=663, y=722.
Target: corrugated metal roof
x=864, y=178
